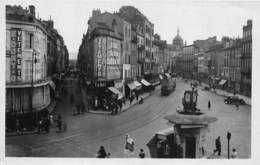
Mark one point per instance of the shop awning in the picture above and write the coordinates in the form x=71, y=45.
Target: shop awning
x=115, y=91
x=138, y=85
x=161, y=77
x=222, y=82
x=53, y=86
x=146, y=83
x=168, y=75
x=131, y=86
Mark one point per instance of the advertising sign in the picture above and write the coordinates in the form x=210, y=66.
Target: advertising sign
x=113, y=59
x=16, y=54
x=101, y=57
x=19, y=55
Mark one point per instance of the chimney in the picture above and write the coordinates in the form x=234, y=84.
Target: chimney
x=249, y=22
x=96, y=12
x=32, y=10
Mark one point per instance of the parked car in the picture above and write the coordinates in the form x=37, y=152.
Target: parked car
x=234, y=100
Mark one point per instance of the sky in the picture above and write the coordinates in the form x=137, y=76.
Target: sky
x=195, y=19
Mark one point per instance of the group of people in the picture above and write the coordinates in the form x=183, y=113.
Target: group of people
x=218, y=149
x=45, y=123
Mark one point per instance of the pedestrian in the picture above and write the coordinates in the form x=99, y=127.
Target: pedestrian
x=237, y=105
x=129, y=143
x=78, y=109
x=141, y=100
x=209, y=104
x=141, y=154
x=40, y=124
x=17, y=125
x=101, y=152
x=51, y=119
x=120, y=104
x=218, y=146
x=131, y=99
x=82, y=109
x=137, y=95
x=234, y=154
x=108, y=155
x=46, y=124
x=71, y=99
x=59, y=123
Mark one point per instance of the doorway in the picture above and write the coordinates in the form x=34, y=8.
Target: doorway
x=190, y=150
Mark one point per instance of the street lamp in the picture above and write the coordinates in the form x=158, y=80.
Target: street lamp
x=228, y=138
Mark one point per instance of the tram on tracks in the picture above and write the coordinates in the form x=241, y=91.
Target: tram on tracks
x=168, y=84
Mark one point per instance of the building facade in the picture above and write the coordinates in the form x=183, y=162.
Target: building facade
x=188, y=61
x=246, y=59
x=27, y=80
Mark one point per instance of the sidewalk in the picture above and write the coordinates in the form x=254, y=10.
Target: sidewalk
x=125, y=106
x=225, y=93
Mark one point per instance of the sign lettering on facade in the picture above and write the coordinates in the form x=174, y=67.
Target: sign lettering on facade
x=19, y=55
x=99, y=57
x=13, y=52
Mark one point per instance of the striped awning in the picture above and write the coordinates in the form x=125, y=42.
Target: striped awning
x=131, y=86
x=222, y=82
x=53, y=86
x=146, y=83
x=115, y=91
x=168, y=75
x=138, y=85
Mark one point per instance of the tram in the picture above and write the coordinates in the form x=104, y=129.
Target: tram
x=168, y=84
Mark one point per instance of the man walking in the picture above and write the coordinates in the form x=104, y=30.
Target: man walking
x=102, y=152
x=237, y=105
x=218, y=146
x=209, y=105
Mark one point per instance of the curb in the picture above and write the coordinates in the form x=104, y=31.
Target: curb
x=109, y=113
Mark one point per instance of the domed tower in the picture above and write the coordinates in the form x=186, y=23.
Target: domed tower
x=177, y=41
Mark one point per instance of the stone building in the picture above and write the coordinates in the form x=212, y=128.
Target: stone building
x=232, y=63
x=188, y=61
x=27, y=80
x=246, y=59
x=145, y=31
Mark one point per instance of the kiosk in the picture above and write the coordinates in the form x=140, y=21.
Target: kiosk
x=187, y=136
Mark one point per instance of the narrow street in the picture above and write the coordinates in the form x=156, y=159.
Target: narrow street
x=87, y=132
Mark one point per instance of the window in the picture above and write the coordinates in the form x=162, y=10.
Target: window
x=28, y=40
x=28, y=70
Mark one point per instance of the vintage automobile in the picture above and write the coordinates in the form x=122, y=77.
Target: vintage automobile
x=234, y=100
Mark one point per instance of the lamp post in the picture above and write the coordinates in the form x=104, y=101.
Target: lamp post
x=228, y=138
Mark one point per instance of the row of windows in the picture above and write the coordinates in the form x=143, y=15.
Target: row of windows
x=246, y=64
x=127, y=32
x=247, y=33
x=247, y=47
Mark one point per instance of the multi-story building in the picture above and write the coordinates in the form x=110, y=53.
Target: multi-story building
x=246, y=59
x=27, y=81
x=232, y=62
x=188, y=61
x=145, y=30
x=202, y=61
x=159, y=54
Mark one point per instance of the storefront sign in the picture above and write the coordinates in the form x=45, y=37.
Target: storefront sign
x=101, y=56
x=100, y=84
x=19, y=55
